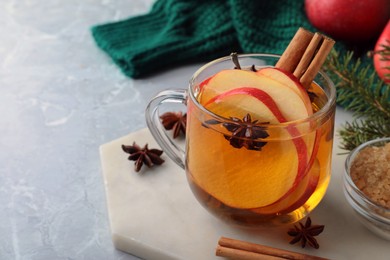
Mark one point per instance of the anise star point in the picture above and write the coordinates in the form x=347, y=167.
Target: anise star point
x=141, y=156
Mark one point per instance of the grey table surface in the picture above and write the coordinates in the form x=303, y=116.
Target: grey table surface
x=60, y=99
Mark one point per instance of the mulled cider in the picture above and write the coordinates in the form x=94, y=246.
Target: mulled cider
x=259, y=133
x=259, y=144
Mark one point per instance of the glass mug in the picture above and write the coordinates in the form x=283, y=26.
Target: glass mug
x=279, y=181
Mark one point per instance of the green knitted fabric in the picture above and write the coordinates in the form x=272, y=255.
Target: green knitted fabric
x=176, y=32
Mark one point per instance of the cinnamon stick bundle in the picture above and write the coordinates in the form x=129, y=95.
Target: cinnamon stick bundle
x=305, y=55
x=237, y=249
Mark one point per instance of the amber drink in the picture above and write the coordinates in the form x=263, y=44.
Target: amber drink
x=258, y=144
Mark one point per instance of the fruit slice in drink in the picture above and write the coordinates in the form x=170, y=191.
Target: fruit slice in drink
x=289, y=80
x=267, y=177
x=289, y=103
x=297, y=196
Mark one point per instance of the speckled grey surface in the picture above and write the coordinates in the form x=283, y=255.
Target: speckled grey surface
x=60, y=99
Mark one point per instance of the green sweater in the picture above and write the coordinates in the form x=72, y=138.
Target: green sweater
x=177, y=32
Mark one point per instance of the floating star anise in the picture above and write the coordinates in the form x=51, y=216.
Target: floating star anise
x=142, y=156
x=306, y=233
x=174, y=121
x=245, y=132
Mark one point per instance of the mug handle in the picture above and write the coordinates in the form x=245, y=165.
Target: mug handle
x=156, y=128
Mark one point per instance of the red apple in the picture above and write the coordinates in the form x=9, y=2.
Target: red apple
x=349, y=20
x=381, y=61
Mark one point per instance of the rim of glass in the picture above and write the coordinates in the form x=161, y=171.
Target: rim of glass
x=349, y=180
x=319, y=114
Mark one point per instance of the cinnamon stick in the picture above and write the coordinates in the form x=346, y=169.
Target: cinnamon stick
x=317, y=62
x=305, y=55
x=294, y=51
x=233, y=253
x=237, y=249
x=308, y=55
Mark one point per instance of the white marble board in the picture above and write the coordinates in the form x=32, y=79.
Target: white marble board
x=154, y=215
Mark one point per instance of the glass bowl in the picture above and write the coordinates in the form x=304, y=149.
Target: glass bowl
x=372, y=214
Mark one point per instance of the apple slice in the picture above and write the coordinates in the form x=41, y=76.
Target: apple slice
x=287, y=79
x=272, y=177
x=289, y=102
x=204, y=83
x=270, y=113
x=275, y=96
x=240, y=105
x=298, y=195
x=278, y=178
x=311, y=185
x=234, y=93
x=274, y=82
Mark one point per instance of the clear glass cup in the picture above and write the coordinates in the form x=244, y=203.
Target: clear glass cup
x=280, y=181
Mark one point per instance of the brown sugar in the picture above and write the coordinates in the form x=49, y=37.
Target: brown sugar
x=370, y=171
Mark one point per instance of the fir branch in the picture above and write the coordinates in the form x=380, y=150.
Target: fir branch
x=360, y=90
x=360, y=131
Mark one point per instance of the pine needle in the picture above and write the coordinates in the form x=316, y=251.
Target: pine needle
x=360, y=90
x=360, y=131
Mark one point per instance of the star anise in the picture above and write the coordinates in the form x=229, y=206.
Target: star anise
x=174, y=121
x=306, y=233
x=142, y=156
x=245, y=132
